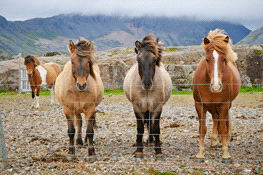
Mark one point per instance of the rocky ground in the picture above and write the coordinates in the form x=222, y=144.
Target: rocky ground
x=37, y=140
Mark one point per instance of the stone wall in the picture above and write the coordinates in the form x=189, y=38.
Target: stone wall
x=180, y=64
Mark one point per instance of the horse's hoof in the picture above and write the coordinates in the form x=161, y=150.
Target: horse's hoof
x=138, y=155
x=159, y=157
x=93, y=158
x=199, y=156
x=151, y=145
x=79, y=142
x=215, y=146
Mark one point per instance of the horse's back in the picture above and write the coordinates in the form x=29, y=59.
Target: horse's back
x=53, y=70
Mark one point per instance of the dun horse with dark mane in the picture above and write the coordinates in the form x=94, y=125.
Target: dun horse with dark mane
x=148, y=86
x=39, y=75
x=216, y=83
x=79, y=89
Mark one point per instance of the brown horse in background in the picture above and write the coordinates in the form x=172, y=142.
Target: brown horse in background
x=148, y=87
x=41, y=75
x=216, y=83
x=79, y=89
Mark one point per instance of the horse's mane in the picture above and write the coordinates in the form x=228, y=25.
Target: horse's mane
x=217, y=41
x=36, y=61
x=152, y=45
x=85, y=48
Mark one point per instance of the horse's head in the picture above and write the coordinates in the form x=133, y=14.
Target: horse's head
x=82, y=61
x=31, y=62
x=216, y=62
x=148, y=56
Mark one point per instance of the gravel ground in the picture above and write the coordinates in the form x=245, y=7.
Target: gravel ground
x=37, y=140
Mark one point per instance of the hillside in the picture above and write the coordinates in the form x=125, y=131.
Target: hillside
x=52, y=34
x=255, y=37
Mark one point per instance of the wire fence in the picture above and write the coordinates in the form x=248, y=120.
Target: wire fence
x=38, y=138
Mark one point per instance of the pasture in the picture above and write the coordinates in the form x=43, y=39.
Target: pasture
x=37, y=140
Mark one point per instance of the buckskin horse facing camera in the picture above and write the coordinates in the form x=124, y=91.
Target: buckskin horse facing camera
x=79, y=89
x=148, y=87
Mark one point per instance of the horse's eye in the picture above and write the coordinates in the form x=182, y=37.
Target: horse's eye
x=224, y=60
x=207, y=60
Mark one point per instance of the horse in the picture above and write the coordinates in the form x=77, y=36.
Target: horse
x=148, y=87
x=79, y=89
x=216, y=83
x=41, y=75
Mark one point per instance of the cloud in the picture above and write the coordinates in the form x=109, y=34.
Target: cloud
x=233, y=10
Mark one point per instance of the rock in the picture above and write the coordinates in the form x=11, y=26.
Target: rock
x=52, y=166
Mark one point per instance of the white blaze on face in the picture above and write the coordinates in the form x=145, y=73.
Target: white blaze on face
x=216, y=79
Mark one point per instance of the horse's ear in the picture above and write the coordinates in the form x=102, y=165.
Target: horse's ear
x=226, y=39
x=71, y=46
x=157, y=41
x=206, y=41
x=138, y=44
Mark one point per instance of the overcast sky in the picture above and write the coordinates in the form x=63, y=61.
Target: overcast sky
x=247, y=12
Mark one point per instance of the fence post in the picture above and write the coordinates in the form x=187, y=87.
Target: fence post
x=3, y=152
x=19, y=71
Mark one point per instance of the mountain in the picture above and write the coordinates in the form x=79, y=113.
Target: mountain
x=255, y=37
x=52, y=34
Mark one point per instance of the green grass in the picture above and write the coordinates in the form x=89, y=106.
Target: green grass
x=258, y=52
x=171, y=49
x=251, y=89
x=169, y=62
x=117, y=91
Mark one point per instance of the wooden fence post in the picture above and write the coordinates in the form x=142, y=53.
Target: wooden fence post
x=19, y=71
x=3, y=152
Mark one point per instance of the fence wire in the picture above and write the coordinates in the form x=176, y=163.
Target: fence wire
x=40, y=136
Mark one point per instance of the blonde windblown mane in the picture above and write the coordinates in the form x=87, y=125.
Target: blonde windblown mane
x=218, y=41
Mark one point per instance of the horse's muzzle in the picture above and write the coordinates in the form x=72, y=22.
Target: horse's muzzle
x=82, y=87
x=216, y=88
x=30, y=75
x=147, y=86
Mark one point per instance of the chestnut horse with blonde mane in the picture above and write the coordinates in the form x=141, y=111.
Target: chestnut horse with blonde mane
x=79, y=89
x=148, y=87
x=216, y=83
x=41, y=75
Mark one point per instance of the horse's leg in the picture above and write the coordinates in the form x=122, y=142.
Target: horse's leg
x=140, y=131
x=90, y=119
x=37, y=97
x=229, y=128
x=79, y=129
x=224, y=130
x=155, y=130
x=52, y=95
x=33, y=96
x=201, y=111
x=214, y=136
x=71, y=129
x=147, y=118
